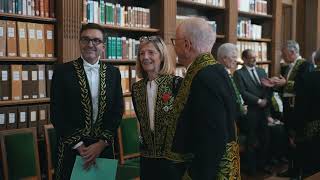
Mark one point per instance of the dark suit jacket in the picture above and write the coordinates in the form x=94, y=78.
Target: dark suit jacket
x=249, y=90
x=255, y=124
x=207, y=122
x=71, y=110
x=307, y=101
x=306, y=122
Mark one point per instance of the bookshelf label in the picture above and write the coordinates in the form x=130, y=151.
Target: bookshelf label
x=34, y=76
x=41, y=75
x=11, y=32
x=31, y=34
x=4, y=75
x=49, y=35
x=33, y=116
x=1, y=31
x=22, y=33
x=50, y=74
x=24, y=75
x=12, y=118
x=16, y=75
x=2, y=119
x=39, y=34
x=22, y=116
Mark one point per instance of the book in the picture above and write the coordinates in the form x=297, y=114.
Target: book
x=3, y=38
x=22, y=39
x=11, y=38
x=16, y=82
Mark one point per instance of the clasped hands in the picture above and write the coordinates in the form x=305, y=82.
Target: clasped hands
x=274, y=81
x=91, y=152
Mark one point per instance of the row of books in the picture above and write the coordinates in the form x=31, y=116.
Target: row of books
x=247, y=30
x=114, y=14
x=20, y=82
x=26, y=39
x=210, y=2
x=260, y=48
x=128, y=77
x=25, y=116
x=43, y=8
x=179, y=19
x=254, y=6
x=121, y=48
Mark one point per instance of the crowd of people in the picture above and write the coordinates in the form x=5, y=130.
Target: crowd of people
x=191, y=127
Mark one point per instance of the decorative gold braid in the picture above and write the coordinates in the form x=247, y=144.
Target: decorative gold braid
x=102, y=97
x=154, y=140
x=229, y=167
x=60, y=159
x=139, y=92
x=312, y=129
x=201, y=62
x=85, y=96
x=290, y=84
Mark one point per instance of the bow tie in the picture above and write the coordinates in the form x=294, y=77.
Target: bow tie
x=90, y=67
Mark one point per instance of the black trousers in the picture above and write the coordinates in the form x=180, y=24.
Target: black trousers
x=160, y=169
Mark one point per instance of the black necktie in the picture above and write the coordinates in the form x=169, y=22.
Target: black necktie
x=255, y=79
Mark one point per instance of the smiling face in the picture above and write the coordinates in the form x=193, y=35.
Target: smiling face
x=149, y=58
x=91, y=45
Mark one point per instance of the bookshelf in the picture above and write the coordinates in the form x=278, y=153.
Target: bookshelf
x=258, y=28
x=214, y=11
x=27, y=55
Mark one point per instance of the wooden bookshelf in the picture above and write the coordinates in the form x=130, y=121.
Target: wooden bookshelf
x=18, y=17
x=27, y=59
x=271, y=24
x=24, y=102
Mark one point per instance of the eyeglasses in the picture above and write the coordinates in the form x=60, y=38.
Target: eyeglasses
x=173, y=40
x=86, y=40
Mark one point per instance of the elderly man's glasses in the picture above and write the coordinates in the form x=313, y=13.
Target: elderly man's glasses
x=86, y=40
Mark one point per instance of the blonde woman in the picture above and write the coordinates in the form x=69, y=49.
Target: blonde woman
x=153, y=98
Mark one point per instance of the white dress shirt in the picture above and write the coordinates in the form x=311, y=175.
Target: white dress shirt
x=92, y=72
x=152, y=89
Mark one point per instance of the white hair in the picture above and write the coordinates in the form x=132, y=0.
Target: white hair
x=225, y=50
x=199, y=32
x=292, y=45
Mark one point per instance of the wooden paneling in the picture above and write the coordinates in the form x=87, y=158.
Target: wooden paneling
x=276, y=37
x=69, y=17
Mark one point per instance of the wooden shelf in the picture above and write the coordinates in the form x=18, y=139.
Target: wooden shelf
x=24, y=17
x=200, y=5
x=255, y=40
x=254, y=15
x=120, y=61
x=19, y=59
x=24, y=102
x=263, y=62
x=124, y=28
